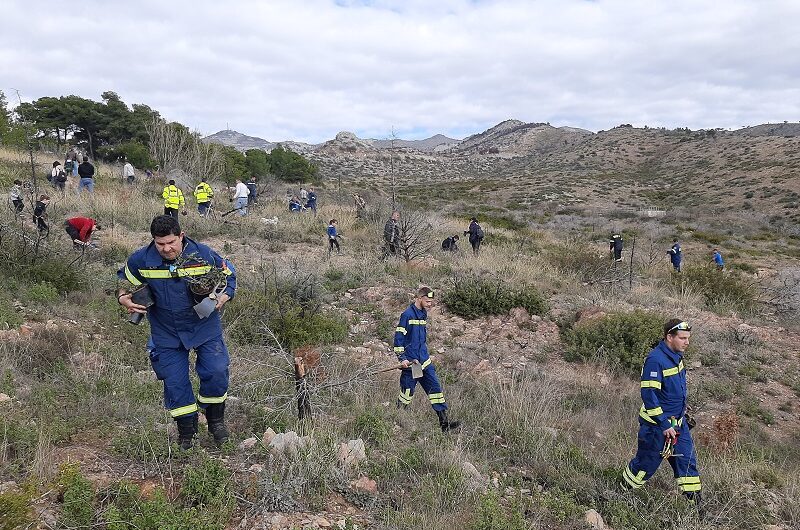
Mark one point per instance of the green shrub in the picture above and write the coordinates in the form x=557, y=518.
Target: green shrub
x=750, y=407
x=77, y=510
x=371, y=426
x=9, y=318
x=720, y=290
x=128, y=509
x=294, y=323
x=492, y=515
x=15, y=510
x=42, y=292
x=472, y=296
x=339, y=280
x=621, y=339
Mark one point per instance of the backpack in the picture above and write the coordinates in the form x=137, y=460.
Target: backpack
x=479, y=232
x=68, y=165
x=61, y=177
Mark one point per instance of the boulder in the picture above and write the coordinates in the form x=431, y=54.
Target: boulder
x=352, y=453
x=365, y=485
x=269, y=434
x=288, y=443
x=595, y=520
x=475, y=480
x=248, y=444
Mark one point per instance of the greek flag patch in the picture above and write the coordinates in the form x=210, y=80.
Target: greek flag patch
x=653, y=374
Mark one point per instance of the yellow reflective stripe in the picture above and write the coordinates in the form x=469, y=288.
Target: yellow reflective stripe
x=644, y=415
x=673, y=371
x=155, y=273
x=182, y=411
x=651, y=384
x=436, y=398
x=414, y=321
x=400, y=329
x=405, y=396
x=426, y=363
x=635, y=481
x=688, y=483
x=131, y=278
x=179, y=273
x=654, y=412
x=220, y=399
x=226, y=271
x=399, y=349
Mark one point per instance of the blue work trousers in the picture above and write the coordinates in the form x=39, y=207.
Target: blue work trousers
x=430, y=384
x=648, y=458
x=171, y=365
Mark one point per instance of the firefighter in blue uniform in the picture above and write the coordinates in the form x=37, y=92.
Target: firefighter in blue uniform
x=615, y=246
x=675, y=255
x=176, y=328
x=663, y=426
x=410, y=339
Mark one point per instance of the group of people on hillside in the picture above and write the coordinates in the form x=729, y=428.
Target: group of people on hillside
x=242, y=195
x=393, y=237
x=177, y=328
x=59, y=176
x=675, y=253
x=305, y=200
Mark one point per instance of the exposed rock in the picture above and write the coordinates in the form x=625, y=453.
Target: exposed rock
x=279, y=522
x=475, y=480
x=269, y=434
x=588, y=314
x=520, y=315
x=352, y=453
x=595, y=520
x=5, y=398
x=365, y=485
x=482, y=367
x=25, y=331
x=288, y=443
x=256, y=468
x=248, y=444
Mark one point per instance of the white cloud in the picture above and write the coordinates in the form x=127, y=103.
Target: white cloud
x=305, y=70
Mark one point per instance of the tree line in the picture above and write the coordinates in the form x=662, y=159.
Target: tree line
x=110, y=130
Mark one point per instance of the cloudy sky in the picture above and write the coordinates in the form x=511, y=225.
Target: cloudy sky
x=304, y=70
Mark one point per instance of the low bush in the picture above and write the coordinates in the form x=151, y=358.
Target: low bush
x=9, y=318
x=251, y=314
x=77, y=493
x=492, y=515
x=15, y=510
x=621, y=339
x=720, y=290
x=42, y=292
x=473, y=296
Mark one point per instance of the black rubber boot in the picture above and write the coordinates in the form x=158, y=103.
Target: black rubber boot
x=215, y=414
x=446, y=424
x=187, y=429
x=695, y=498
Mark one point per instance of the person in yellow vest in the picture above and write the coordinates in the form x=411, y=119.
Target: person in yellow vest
x=203, y=193
x=173, y=199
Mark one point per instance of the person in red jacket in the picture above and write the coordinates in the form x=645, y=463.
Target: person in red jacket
x=80, y=230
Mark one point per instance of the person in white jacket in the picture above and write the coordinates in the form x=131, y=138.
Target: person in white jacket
x=240, y=194
x=128, y=173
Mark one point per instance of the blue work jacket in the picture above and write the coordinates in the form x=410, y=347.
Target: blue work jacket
x=663, y=387
x=173, y=321
x=411, y=334
x=675, y=254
